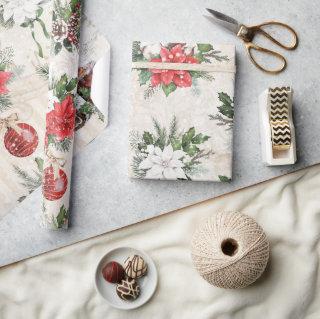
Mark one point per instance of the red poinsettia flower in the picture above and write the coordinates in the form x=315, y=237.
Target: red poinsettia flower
x=175, y=55
x=61, y=120
x=179, y=78
x=4, y=78
x=191, y=60
x=161, y=76
x=182, y=79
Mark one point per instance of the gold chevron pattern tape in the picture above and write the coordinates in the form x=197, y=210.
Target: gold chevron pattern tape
x=279, y=118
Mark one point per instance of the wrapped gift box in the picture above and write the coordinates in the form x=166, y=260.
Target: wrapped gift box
x=182, y=117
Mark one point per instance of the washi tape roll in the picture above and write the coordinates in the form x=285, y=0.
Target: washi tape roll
x=279, y=118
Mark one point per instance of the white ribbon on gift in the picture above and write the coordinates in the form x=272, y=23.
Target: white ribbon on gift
x=208, y=67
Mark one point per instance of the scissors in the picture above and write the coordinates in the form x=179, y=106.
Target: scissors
x=247, y=34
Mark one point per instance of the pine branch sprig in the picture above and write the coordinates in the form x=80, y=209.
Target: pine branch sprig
x=29, y=182
x=5, y=102
x=173, y=130
x=43, y=71
x=136, y=161
x=137, y=54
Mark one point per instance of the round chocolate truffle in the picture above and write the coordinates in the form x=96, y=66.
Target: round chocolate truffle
x=113, y=272
x=128, y=289
x=135, y=266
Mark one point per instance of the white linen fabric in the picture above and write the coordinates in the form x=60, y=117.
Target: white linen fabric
x=59, y=284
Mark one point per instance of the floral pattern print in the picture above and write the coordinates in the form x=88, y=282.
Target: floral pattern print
x=66, y=25
x=26, y=26
x=163, y=164
x=181, y=121
x=170, y=80
x=226, y=111
x=20, y=10
x=173, y=155
x=4, y=78
x=6, y=75
x=60, y=118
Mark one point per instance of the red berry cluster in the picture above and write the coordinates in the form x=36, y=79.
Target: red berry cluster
x=73, y=27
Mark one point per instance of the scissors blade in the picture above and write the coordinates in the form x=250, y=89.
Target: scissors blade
x=224, y=21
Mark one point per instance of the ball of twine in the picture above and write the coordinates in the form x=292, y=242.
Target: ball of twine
x=230, y=250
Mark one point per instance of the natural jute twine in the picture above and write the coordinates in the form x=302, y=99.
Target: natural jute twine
x=230, y=250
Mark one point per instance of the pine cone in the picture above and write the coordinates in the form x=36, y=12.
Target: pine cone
x=59, y=30
x=73, y=28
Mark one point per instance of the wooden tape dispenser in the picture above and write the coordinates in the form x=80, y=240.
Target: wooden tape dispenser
x=278, y=143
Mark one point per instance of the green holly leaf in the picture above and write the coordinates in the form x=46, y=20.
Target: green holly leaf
x=200, y=138
x=62, y=217
x=144, y=76
x=227, y=108
x=167, y=89
x=72, y=85
x=57, y=48
x=84, y=92
x=176, y=144
x=225, y=98
x=60, y=87
x=39, y=162
x=191, y=150
x=224, y=179
x=86, y=108
x=187, y=137
x=199, y=56
x=204, y=47
x=67, y=44
x=148, y=138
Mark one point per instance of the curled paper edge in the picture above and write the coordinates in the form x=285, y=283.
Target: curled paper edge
x=100, y=84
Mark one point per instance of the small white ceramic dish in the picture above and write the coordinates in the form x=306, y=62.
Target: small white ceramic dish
x=148, y=283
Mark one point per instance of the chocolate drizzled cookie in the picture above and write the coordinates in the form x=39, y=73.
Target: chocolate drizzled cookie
x=128, y=289
x=135, y=266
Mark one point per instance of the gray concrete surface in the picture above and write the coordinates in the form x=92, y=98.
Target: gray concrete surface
x=103, y=198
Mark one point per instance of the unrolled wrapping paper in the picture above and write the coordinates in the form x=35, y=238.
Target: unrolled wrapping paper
x=25, y=29
x=182, y=117
x=60, y=117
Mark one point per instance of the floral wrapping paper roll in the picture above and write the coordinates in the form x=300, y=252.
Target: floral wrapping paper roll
x=25, y=33
x=183, y=108
x=60, y=117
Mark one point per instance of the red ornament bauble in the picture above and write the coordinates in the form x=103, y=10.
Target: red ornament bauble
x=22, y=143
x=54, y=189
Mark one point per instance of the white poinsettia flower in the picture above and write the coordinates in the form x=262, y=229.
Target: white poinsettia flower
x=166, y=164
x=19, y=10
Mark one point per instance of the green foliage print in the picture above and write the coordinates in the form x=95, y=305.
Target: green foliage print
x=185, y=148
x=30, y=181
x=226, y=111
x=66, y=25
x=9, y=71
x=63, y=86
x=30, y=23
x=62, y=89
x=224, y=179
x=168, y=81
x=62, y=218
